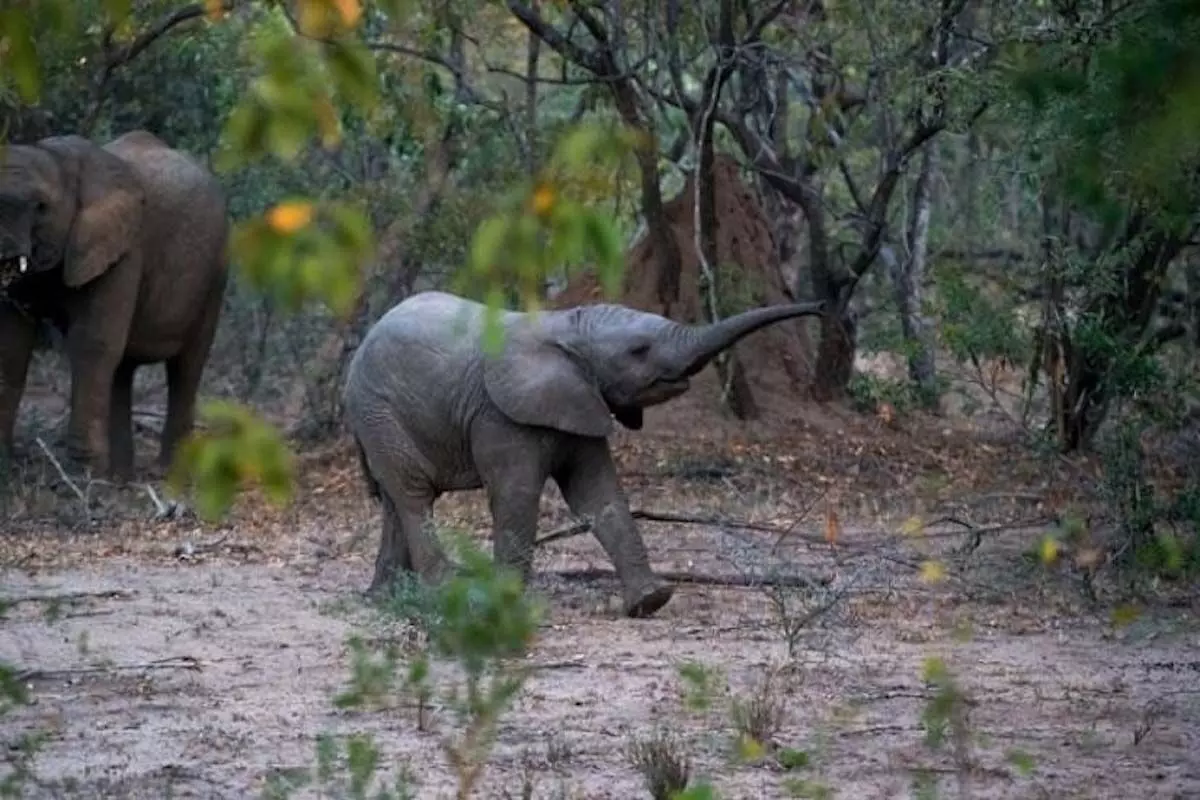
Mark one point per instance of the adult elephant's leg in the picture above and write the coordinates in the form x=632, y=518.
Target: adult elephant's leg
x=97, y=333
x=592, y=490
x=120, y=422
x=184, y=372
x=17, y=336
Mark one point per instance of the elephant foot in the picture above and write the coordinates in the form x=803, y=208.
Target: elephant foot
x=87, y=460
x=648, y=598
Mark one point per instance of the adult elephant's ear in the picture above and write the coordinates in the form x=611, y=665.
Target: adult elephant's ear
x=108, y=216
x=534, y=381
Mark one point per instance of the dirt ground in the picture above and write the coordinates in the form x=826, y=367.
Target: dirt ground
x=187, y=660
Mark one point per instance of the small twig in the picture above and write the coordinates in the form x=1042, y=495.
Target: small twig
x=63, y=474
x=69, y=597
x=172, y=509
x=173, y=662
x=187, y=549
x=158, y=504
x=565, y=532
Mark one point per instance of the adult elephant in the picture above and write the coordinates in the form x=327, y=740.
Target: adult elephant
x=432, y=413
x=123, y=249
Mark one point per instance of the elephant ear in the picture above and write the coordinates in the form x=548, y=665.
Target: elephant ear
x=108, y=215
x=534, y=381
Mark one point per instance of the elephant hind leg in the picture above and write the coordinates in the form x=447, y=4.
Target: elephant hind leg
x=184, y=372
x=393, y=557
x=409, y=535
x=120, y=422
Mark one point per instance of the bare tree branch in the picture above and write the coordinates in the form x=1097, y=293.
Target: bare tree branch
x=565, y=47
x=115, y=58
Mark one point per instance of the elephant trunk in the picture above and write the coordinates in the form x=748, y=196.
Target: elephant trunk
x=700, y=344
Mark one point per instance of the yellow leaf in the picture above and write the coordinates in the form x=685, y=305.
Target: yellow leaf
x=933, y=571
x=1049, y=550
x=350, y=10
x=750, y=749
x=214, y=9
x=327, y=122
x=912, y=526
x=290, y=217
x=832, y=526
x=1124, y=615
x=543, y=199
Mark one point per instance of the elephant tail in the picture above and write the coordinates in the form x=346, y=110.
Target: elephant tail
x=372, y=485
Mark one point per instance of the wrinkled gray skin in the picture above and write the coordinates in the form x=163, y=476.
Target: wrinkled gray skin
x=122, y=249
x=431, y=413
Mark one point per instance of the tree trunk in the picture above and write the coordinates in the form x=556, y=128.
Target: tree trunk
x=835, y=356
x=1124, y=313
x=908, y=275
x=736, y=393
x=666, y=249
x=533, y=50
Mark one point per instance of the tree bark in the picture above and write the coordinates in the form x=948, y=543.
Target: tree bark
x=736, y=393
x=908, y=275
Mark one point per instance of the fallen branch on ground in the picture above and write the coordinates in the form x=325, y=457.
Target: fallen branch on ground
x=187, y=549
x=62, y=473
x=701, y=579
x=69, y=597
x=173, y=662
x=583, y=526
x=976, y=532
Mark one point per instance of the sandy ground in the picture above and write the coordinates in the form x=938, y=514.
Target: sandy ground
x=204, y=674
x=239, y=662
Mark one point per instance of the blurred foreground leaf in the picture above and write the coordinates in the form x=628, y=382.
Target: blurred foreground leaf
x=298, y=253
x=238, y=449
x=291, y=102
x=551, y=222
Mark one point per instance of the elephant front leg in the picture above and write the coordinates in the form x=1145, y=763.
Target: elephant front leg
x=514, y=502
x=592, y=490
x=93, y=369
x=17, y=336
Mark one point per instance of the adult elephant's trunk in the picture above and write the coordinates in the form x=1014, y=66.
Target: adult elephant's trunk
x=700, y=344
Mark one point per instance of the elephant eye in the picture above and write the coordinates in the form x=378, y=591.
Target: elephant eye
x=640, y=350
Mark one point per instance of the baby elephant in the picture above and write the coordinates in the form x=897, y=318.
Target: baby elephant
x=431, y=412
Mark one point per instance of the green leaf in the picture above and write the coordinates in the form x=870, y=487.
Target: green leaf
x=493, y=331
x=237, y=449
x=486, y=244
x=118, y=10
x=700, y=791
x=18, y=55
x=362, y=757
x=604, y=240
x=352, y=67
x=791, y=759
x=1021, y=760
